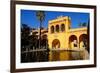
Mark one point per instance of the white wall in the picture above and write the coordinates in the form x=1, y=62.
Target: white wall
x=5, y=36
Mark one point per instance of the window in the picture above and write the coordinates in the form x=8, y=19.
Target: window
x=52, y=29
x=57, y=28
x=62, y=27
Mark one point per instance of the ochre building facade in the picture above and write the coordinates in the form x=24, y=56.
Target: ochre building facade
x=62, y=39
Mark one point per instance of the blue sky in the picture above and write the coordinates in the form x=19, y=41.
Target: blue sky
x=29, y=17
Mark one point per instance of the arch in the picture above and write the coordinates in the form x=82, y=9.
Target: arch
x=56, y=43
x=57, y=28
x=55, y=54
x=83, y=41
x=52, y=29
x=62, y=27
x=73, y=41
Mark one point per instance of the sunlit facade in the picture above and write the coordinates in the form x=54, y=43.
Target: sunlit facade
x=62, y=38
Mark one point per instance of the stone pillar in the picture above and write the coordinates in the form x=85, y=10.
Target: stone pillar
x=78, y=42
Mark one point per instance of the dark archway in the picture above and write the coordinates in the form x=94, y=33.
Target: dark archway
x=56, y=43
x=57, y=28
x=73, y=41
x=55, y=53
x=52, y=29
x=83, y=41
x=62, y=27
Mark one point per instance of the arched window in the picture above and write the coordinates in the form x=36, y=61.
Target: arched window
x=62, y=27
x=52, y=29
x=57, y=28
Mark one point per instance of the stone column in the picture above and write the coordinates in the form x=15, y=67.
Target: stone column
x=78, y=42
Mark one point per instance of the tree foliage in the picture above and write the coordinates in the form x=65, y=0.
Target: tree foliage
x=84, y=24
x=40, y=15
x=27, y=40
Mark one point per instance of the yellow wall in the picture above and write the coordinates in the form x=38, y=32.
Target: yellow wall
x=64, y=36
